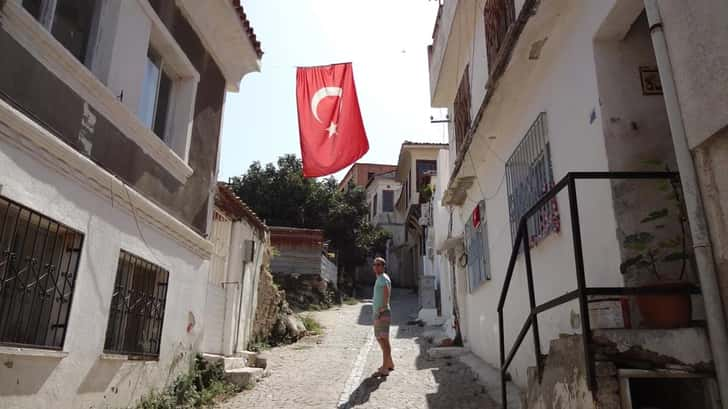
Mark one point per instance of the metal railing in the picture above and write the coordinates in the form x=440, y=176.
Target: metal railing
x=581, y=293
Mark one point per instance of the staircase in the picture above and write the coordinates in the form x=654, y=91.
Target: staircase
x=244, y=370
x=633, y=368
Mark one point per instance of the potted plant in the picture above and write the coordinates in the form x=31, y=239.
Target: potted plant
x=656, y=258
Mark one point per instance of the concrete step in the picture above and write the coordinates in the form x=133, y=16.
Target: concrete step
x=232, y=362
x=446, y=352
x=244, y=377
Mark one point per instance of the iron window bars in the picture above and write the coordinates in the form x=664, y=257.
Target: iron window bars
x=529, y=176
x=39, y=260
x=498, y=15
x=137, y=308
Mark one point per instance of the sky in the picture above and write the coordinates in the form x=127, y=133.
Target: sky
x=386, y=41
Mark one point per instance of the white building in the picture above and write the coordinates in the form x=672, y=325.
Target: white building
x=382, y=190
x=110, y=118
x=536, y=91
x=240, y=240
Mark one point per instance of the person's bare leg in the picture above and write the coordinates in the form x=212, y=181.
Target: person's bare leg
x=387, y=362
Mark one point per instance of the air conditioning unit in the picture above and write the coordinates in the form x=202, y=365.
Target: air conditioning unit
x=248, y=251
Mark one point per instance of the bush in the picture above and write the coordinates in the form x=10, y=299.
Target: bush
x=200, y=387
x=312, y=326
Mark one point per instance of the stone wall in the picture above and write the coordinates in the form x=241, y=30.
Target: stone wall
x=271, y=304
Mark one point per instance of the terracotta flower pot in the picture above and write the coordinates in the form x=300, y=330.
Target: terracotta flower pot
x=666, y=311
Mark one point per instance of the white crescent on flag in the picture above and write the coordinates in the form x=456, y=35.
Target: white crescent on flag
x=321, y=94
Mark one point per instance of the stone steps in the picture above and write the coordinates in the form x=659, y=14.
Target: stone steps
x=244, y=377
x=244, y=369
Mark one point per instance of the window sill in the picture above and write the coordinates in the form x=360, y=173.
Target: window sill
x=54, y=57
x=124, y=357
x=32, y=352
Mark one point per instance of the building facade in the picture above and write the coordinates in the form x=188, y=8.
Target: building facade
x=240, y=240
x=382, y=190
x=539, y=93
x=110, y=117
x=360, y=173
x=416, y=167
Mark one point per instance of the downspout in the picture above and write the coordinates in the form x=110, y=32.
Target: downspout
x=717, y=331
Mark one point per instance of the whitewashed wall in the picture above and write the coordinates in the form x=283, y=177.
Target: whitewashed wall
x=83, y=378
x=562, y=82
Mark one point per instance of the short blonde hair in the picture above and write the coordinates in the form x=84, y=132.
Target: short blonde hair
x=380, y=260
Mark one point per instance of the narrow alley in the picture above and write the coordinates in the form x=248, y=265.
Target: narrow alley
x=335, y=370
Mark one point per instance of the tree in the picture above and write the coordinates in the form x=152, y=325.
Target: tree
x=283, y=197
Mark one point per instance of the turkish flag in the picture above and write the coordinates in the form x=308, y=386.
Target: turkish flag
x=329, y=120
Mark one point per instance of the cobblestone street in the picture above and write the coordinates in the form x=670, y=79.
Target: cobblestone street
x=335, y=370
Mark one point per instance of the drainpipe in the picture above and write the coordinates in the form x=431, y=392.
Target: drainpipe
x=715, y=316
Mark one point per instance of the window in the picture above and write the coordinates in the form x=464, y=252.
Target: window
x=387, y=201
x=476, y=242
x=462, y=110
x=374, y=205
x=499, y=16
x=155, y=96
x=38, y=265
x=370, y=176
x=137, y=307
x=529, y=175
x=72, y=22
x=423, y=175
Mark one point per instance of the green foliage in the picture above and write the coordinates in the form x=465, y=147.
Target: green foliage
x=283, y=197
x=312, y=326
x=259, y=346
x=656, y=215
x=648, y=255
x=200, y=387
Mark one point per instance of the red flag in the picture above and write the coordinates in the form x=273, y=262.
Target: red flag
x=329, y=120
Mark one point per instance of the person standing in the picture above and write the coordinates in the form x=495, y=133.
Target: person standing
x=382, y=314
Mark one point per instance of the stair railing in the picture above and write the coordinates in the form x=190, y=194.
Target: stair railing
x=521, y=243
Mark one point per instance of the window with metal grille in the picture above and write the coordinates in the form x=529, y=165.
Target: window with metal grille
x=529, y=175
x=387, y=201
x=462, y=110
x=137, y=308
x=38, y=265
x=499, y=16
x=476, y=242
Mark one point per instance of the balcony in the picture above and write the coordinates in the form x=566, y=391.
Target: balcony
x=443, y=71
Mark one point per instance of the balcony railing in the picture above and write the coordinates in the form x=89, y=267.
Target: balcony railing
x=582, y=292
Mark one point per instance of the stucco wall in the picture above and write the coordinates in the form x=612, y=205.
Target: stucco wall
x=564, y=68
x=82, y=379
x=636, y=133
x=696, y=33
x=29, y=84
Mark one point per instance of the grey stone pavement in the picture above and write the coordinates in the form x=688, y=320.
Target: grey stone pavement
x=335, y=370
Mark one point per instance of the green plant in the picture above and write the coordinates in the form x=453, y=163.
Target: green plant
x=351, y=301
x=312, y=326
x=199, y=387
x=259, y=346
x=426, y=193
x=649, y=253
